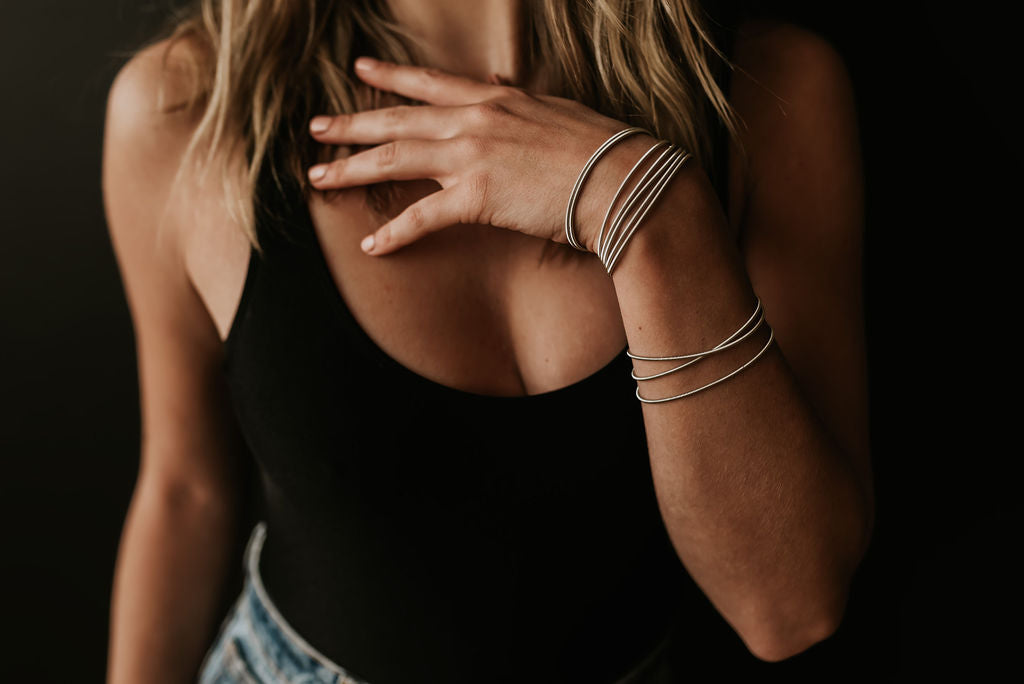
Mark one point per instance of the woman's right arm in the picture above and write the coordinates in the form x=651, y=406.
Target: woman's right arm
x=177, y=545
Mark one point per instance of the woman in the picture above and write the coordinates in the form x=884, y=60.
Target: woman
x=457, y=480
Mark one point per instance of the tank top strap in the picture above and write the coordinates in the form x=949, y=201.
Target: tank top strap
x=282, y=263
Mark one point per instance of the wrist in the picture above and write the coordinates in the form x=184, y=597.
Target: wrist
x=600, y=186
x=687, y=226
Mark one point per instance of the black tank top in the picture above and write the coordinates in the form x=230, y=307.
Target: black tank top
x=417, y=533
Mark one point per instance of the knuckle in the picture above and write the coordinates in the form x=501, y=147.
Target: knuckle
x=473, y=146
x=415, y=218
x=387, y=155
x=383, y=236
x=431, y=76
x=488, y=112
x=394, y=115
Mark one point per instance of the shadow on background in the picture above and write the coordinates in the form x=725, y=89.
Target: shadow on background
x=941, y=145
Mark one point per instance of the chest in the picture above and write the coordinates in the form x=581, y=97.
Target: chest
x=472, y=307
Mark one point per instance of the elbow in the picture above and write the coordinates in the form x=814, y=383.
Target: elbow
x=775, y=645
x=783, y=628
x=805, y=603
x=184, y=495
x=784, y=633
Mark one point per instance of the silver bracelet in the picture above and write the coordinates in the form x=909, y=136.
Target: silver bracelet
x=646, y=192
x=622, y=186
x=636, y=194
x=570, y=210
x=727, y=343
x=756, y=356
x=741, y=334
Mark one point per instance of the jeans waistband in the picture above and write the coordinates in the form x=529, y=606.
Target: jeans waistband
x=252, y=570
x=639, y=674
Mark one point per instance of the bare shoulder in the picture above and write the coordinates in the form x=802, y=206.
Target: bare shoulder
x=778, y=43
x=793, y=93
x=148, y=127
x=785, y=70
x=152, y=117
x=148, y=103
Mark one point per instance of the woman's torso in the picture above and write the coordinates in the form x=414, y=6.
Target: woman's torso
x=426, y=520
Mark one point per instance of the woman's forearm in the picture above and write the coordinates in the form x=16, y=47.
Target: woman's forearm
x=767, y=497
x=171, y=570
x=762, y=505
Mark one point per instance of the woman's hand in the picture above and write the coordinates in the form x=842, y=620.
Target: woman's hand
x=502, y=156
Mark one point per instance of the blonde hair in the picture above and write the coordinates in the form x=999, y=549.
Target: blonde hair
x=260, y=69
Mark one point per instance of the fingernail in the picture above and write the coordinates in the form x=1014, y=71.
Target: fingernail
x=367, y=243
x=318, y=172
x=365, y=63
x=319, y=124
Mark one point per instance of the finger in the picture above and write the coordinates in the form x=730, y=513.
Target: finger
x=434, y=212
x=401, y=160
x=424, y=84
x=390, y=123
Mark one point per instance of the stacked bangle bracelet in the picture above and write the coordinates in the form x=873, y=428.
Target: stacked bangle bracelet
x=613, y=237
x=748, y=328
x=617, y=230
x=570, y=210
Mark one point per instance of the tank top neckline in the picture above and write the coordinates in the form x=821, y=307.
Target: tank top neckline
x=293, y=207
x=344, y=315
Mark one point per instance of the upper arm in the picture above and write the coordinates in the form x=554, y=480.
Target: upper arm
x=802, y=230
x=190, y=442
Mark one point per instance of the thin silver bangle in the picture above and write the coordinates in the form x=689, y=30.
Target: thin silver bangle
x=758, y=355
x=636, y=194
x=570, y=210
x=622, y=186
x=681, y=357
x=662, y=182
x=722, y=347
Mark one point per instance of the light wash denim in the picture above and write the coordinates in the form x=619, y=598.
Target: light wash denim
x=256, y=645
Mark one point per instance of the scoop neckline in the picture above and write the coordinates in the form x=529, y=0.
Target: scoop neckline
x=326, y=280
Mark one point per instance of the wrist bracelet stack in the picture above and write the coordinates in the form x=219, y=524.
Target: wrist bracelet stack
x=615, y=234
x=751, y=325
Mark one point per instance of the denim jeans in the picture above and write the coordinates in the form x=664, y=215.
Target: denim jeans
x=255, y=645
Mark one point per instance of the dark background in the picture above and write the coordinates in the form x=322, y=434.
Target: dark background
x=941, y=145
